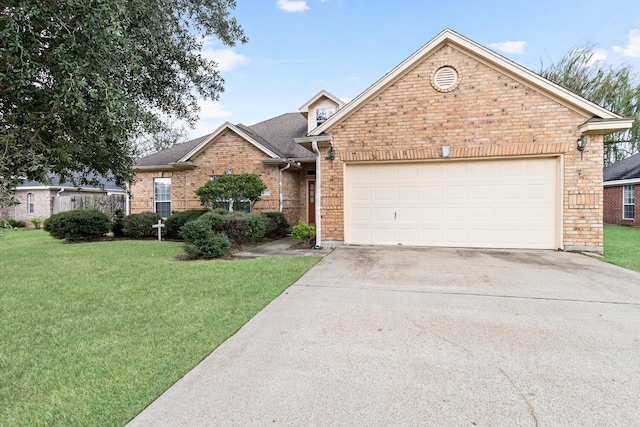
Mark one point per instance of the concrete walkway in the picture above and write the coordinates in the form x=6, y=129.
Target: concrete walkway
x=282, y=247
x=427, y=337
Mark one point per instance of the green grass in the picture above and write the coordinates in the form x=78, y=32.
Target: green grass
x=622, y=246
x=91, y=333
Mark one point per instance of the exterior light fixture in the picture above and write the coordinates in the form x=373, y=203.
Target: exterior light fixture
x=229, y=171
x=332, y=154
x=446, y=151
x=582, y=142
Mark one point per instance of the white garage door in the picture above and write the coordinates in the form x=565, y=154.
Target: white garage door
x=482, y=203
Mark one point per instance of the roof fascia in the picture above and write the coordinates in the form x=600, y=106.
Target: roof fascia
x=603, y=127
x=323, y=93
x=487, y=57
x=321, y=140
x=281, y=162
x=622, y=182
x=170, y=167
x=217, y=132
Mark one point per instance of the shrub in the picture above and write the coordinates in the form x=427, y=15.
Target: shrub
x=257, y=225
x=237, y=229
x=176, y=220
x=140, y=226
x=37, y=222
x=303, y=231
x=79, y=225
x=277, y=225
x=215, y=220
x=14, y=223
x=202, y=242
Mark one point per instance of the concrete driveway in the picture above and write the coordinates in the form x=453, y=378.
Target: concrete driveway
x=421, y=337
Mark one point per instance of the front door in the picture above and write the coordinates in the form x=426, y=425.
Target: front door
x=311, y=199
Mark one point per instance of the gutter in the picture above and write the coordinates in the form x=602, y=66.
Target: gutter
x=280, y=195
x=314, y=146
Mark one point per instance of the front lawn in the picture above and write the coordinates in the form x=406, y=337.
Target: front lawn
x=92, y=333
x=622, y=246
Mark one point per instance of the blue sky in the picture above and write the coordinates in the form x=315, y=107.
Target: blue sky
x=297, y=48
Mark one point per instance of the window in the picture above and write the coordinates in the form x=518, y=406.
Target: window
x=30, y=203
x=322, y=114
x=162, y=196
x=628, y=202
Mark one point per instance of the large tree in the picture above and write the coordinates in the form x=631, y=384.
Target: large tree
x=614, y=88
x=79, y=79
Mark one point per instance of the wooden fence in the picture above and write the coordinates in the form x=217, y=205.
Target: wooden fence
x=105, y=203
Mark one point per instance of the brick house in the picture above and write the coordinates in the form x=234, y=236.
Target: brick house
x=622, y=192
x=40, y=200
x=456, y=146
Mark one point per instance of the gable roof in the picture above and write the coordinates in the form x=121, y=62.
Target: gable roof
x=304, y=109
x=274, y=137
x=626, y=169
x=490, y=58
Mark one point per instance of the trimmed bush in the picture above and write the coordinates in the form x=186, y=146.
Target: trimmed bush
x=202, y=242
x=140, y=226
x=237, y=229
x=257, y=225
x=79, y=225
x=277, y=225
x=215, y=220
x=303, y=231
x=176, y=220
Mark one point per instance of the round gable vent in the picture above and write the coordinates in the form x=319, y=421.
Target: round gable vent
x=445, y=78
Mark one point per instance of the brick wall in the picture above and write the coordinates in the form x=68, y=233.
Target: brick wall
x=227, y=151
x=613, y=206
x=488, y=115
x=42, y=205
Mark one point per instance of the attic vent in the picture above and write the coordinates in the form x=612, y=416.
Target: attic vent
x=445, y=79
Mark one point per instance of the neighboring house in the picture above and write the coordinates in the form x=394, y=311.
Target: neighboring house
x=456, y=146
x=43, y=200
x=622, y=192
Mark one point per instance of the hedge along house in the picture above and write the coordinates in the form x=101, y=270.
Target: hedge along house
x=167, y=180
x=456, y=146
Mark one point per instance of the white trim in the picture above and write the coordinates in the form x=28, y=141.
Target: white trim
x=621, y=182
x=490, y=58
x=633, y=192
x=217, y=132
x=605, y=126
x=323, y=93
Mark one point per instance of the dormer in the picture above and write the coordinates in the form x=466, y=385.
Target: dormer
x=319, y=108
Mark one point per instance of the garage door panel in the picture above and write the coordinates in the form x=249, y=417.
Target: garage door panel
x=495, y=203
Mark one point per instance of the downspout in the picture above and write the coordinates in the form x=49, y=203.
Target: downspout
x=127, y=199
x=314, y=145
x=280, y=185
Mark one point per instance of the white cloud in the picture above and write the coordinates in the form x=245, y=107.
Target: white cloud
x=212, y=109
x=292, y=5
x=212, y=114
x=599, y=55
x=226, y=58
x=515, y=47
x=633, y=45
